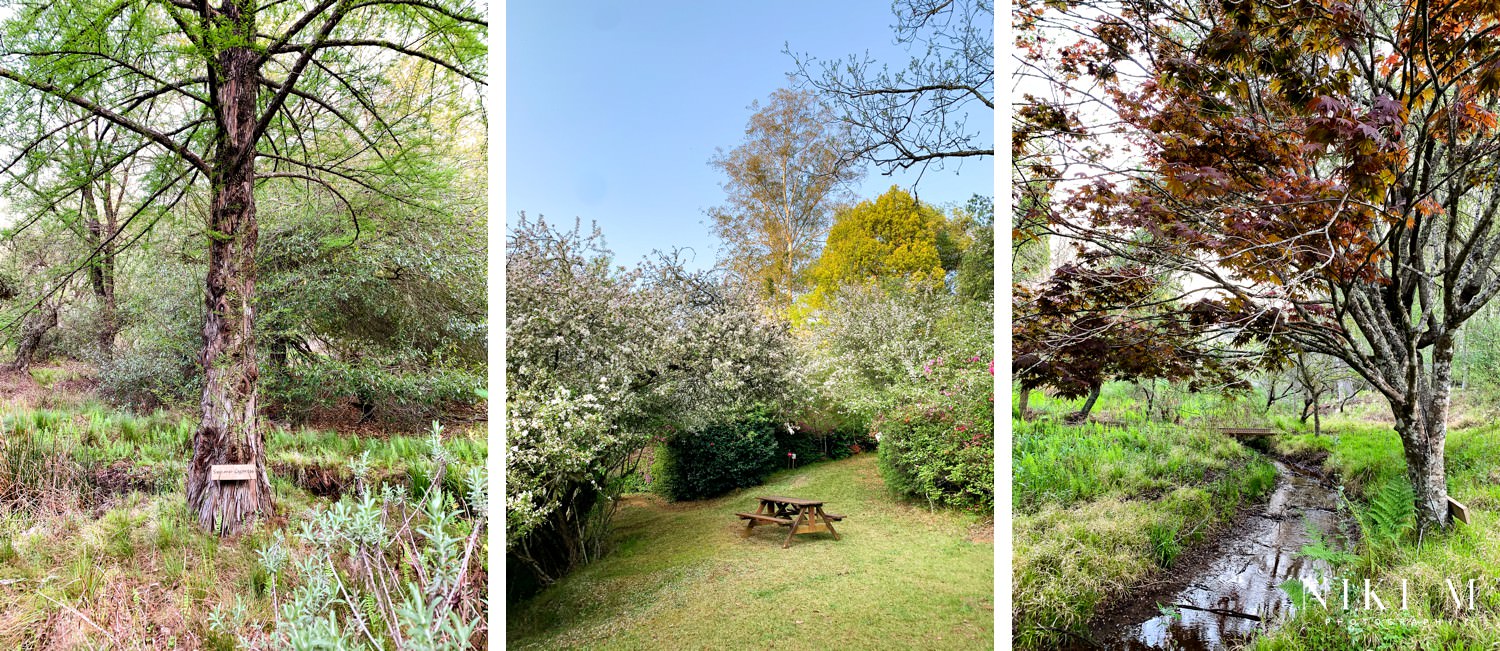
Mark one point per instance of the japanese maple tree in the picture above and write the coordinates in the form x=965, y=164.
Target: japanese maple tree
x=1326, y=170
x=1090, y=323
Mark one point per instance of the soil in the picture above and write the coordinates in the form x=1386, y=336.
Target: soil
x=318, y=479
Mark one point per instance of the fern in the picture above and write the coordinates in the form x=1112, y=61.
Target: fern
x=1386, y=522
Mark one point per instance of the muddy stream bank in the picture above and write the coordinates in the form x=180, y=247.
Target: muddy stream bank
x=1229, y=590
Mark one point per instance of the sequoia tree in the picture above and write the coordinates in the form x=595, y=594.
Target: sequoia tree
x=1326, y=171
x=222, y=97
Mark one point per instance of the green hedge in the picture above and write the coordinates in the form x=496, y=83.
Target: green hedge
x=718, y=458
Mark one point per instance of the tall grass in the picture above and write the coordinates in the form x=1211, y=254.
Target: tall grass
x=1099, y=508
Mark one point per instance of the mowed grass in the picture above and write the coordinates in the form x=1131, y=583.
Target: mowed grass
x=1365, y=456
x=1098, y=509
x=681, y=577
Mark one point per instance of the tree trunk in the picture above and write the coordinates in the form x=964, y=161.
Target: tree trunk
x=33, y=328
x=230, y=431
x=1422, y=422
x=1317, y=409
x=1024, y=401
x=102, y=270
x=1088, y=405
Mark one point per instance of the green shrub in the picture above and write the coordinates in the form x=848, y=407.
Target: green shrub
x=943, y=449
x=405, y=392
x=718, y=458
x=149, y=377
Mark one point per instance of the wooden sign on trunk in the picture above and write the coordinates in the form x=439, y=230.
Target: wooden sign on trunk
x=1458, y=511
x=235, y=472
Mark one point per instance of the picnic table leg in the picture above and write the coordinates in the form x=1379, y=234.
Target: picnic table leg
x=827, y=523
x=792, y=531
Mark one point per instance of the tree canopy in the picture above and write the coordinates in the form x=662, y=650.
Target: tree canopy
x=1330, y=166
x=783, y=184
x=893, y=236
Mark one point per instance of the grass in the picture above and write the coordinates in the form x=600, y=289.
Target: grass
x=680, y=576
x=77, y=541
x=1100, y=508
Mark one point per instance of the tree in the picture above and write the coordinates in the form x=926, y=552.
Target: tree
x=920, y=114
x=976, y=269
x=1089, y=324
x=601, y=358
x=783, y=184
x=211, y=91
x=1327, y=170
x=894, y=236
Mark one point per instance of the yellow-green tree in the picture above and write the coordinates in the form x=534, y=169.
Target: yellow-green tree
x=893, y=236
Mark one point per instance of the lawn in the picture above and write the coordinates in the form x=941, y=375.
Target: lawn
x=680, y=576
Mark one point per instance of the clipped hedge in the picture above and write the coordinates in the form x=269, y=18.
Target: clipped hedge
x=716, y=459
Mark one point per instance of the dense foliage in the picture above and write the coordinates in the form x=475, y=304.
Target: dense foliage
x=717, y=458
x=942, y=447
x=1090, y=323
x=891, y=237
x=599, y=358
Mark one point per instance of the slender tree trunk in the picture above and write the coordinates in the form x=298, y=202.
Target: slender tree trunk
x=102, y=271
x=1024, y=401
x=1317, y=414
x=1088, y=405
x=33, y=328
x=230, y=431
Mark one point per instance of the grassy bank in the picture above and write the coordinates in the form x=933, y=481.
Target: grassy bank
x=680, y=576
x=1367, y=458
x=97, y=550
x=1101, y=508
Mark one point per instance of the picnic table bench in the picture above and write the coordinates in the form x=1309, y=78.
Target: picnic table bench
x=799, y=515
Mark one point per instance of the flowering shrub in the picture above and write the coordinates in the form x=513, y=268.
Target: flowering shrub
x=942, y=448
x=718, y=458
x=868, y=347
x=598, y=358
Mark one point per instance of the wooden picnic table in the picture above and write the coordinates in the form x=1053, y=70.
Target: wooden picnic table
x=801, y=516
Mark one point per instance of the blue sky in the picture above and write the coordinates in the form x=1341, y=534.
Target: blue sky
x=613, y=110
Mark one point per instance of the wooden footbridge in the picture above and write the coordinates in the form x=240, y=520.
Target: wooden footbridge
x=1247, y=432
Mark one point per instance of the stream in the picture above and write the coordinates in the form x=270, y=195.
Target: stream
x=1230, y=597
